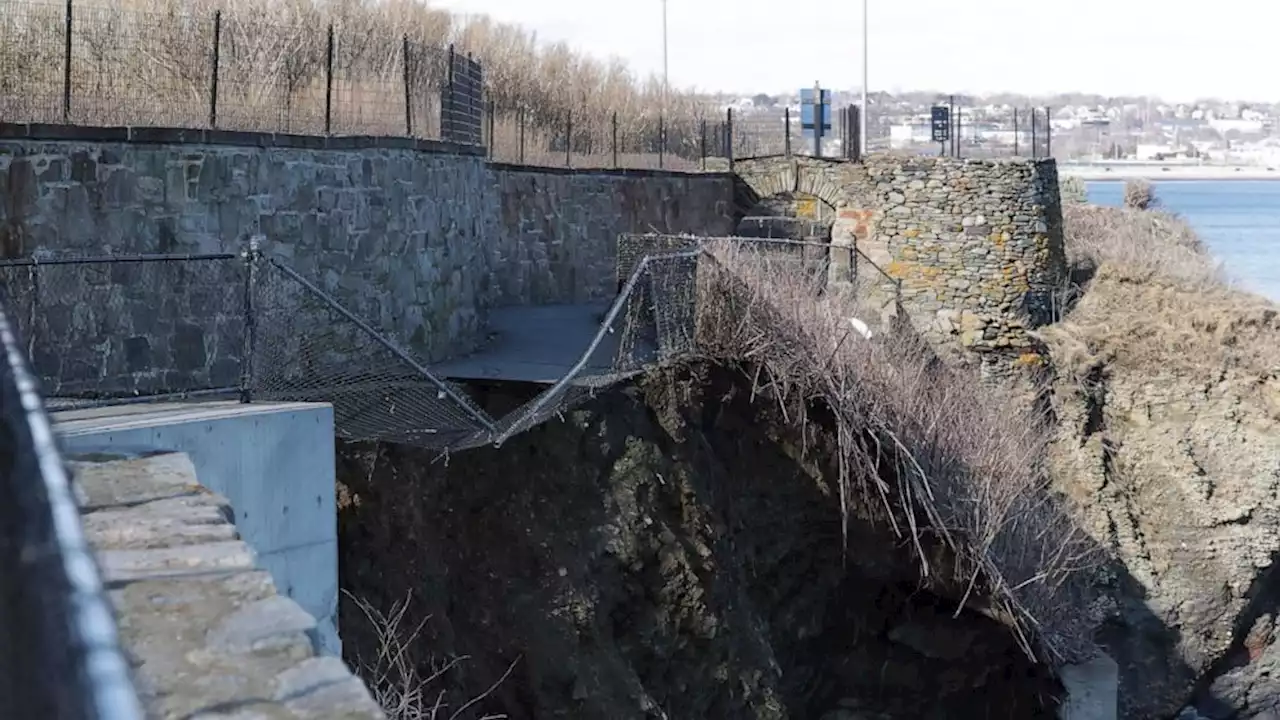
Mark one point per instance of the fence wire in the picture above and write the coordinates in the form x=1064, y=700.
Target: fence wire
x=309, y=348
x=110, y=329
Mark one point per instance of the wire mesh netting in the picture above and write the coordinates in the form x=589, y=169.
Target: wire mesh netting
x=308, y=348
x=152, y=327
x=119, y=327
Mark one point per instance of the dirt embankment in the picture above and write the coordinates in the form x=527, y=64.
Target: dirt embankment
x=664, y=552
x=1167, y=393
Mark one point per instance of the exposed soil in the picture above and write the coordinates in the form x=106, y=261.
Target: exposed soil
x=664, y=552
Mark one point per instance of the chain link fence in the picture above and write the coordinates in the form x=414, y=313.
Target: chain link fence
x=112, y=65
x=107, y=330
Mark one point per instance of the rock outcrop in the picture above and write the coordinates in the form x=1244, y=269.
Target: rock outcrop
x=664, y=552
x=1167, y=393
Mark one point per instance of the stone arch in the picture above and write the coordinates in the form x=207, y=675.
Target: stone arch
x=828, y=180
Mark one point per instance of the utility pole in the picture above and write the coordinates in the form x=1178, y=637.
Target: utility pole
x=866, y=115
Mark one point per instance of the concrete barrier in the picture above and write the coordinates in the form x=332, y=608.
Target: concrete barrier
x=274, y=462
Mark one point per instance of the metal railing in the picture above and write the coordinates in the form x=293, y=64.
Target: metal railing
x=59, y=652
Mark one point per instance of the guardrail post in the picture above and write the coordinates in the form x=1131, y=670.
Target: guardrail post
x=251, y=256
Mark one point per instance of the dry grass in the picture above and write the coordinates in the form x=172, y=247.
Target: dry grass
x=956, y=468
x=395, y=677
x=1156, y=301
x=149, y=62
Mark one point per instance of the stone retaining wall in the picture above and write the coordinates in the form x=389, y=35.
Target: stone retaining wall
x=419, y=238
x=203, y=623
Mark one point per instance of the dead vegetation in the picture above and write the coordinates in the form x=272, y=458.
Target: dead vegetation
x=395, y=676
x=150, y=62
x=959, y=473
x=1155, y=299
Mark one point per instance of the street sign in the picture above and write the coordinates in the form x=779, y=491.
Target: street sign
x=807, y=112
x=941, y=123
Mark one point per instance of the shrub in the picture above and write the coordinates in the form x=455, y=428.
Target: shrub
x=1073, y=190
x=958, y=465
x=1139, y=195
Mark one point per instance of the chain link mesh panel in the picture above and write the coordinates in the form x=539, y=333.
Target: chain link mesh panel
x=308, y=348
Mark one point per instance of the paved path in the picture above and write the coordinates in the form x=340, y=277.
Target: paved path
x=538, y=344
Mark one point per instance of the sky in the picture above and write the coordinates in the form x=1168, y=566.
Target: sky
x=1176, y=49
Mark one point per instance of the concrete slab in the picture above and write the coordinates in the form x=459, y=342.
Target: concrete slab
x=538, y=344
x=274, y=462
x=1093, y=690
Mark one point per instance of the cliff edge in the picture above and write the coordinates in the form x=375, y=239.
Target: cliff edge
x=1166, y=389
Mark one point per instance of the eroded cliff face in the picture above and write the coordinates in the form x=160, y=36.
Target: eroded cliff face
x=664, y=552
x=1168, y=397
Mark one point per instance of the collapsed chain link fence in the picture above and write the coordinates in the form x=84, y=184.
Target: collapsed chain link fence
x=105, y=330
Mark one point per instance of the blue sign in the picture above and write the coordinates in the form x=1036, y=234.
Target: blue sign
x=807, y=106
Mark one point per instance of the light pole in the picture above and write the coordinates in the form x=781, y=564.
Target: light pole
x=862, y=131
x=666, y=80
x=866, y=115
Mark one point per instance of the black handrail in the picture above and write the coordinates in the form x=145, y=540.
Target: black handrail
x=59, y=653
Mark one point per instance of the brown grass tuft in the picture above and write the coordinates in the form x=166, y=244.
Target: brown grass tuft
x=1156, y=301
x=953, y=463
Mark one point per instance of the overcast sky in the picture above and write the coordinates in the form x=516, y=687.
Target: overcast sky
x=1177, y=49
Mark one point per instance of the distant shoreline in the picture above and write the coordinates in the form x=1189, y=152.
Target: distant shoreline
x=1165, y=173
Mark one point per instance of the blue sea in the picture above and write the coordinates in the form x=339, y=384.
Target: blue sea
x=1238, y=219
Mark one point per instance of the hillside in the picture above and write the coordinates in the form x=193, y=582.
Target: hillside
x=1167, y=392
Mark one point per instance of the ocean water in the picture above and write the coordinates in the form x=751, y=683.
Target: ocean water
x=1238, y=219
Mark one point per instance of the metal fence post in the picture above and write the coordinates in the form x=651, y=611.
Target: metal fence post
x=493, y=111
x=1048, y=133
x=614, y=140
x=213, y=72
x=1015, y=132
x=728, y=136
x=328, y=84
x=521, y=122
x=786, y=139
x=66, y=70
x=702, y=142
x=1035, y=147
x=408, y=91
x=568, y=138
x=662, y=141
x=251, y=256
x=446, y=101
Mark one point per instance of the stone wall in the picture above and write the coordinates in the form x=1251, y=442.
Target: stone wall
x=420, y=238
x=557, y=229
x=205, y=625
x=975, y=244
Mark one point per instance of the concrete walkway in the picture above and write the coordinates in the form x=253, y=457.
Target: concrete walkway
x=539, y=344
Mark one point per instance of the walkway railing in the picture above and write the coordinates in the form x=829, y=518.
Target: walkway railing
x=59, y=655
